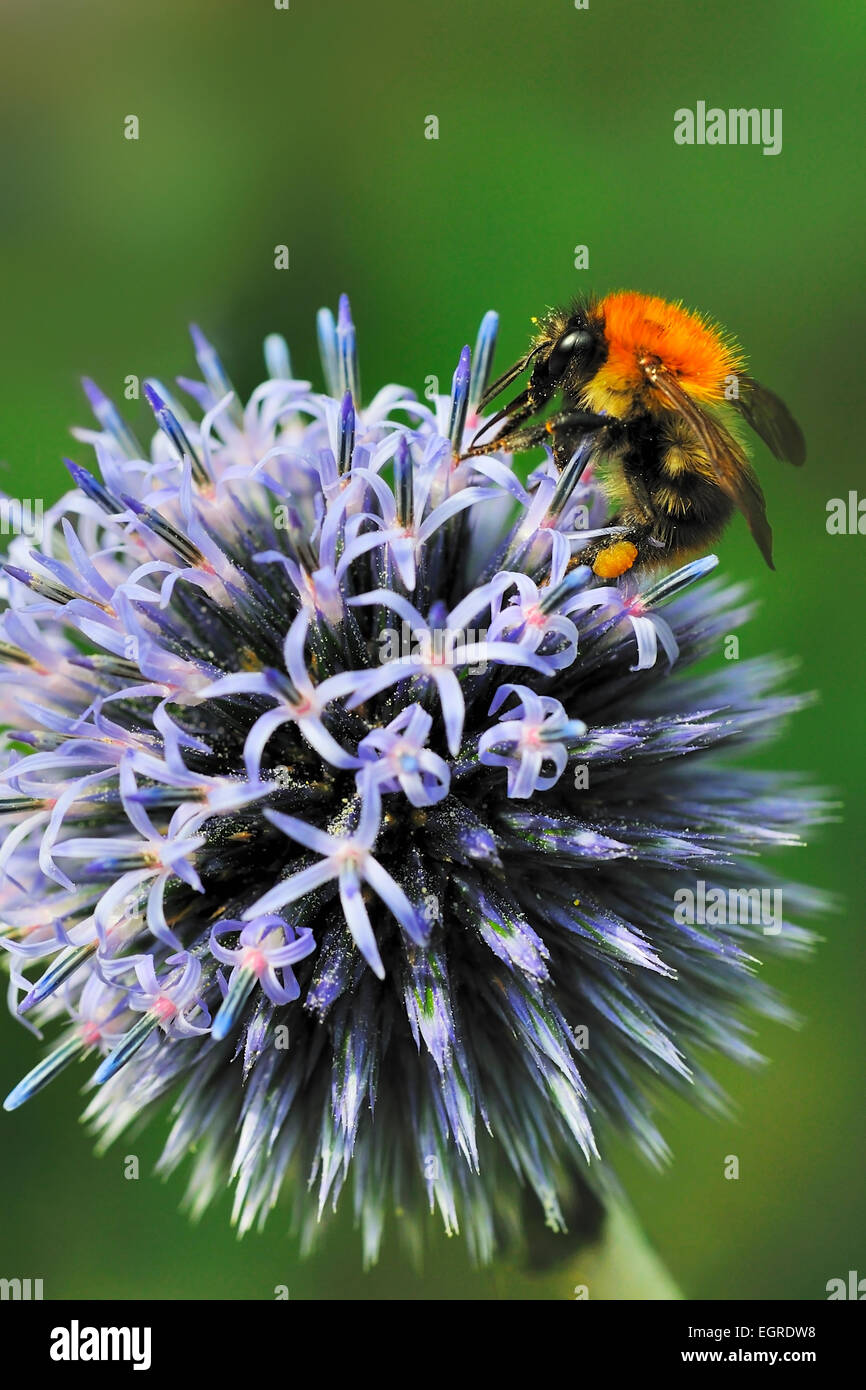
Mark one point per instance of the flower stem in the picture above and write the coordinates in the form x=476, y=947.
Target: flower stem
x=620, y=1265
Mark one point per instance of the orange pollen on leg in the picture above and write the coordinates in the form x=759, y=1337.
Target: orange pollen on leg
x=615, y=559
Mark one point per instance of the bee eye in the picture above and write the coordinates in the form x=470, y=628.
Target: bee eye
x=576, y=340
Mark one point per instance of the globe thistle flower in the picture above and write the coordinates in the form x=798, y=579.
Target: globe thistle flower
x=347, y=808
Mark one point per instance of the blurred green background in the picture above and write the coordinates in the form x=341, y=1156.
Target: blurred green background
x=305, y=127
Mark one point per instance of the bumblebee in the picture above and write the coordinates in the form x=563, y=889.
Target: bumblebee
x=653, y=395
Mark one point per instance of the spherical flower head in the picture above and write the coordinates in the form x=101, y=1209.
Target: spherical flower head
x=347, y=808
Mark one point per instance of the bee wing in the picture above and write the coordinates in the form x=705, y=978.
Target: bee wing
x=770, y=418
x=735, y=476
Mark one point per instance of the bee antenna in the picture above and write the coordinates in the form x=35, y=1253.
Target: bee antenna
x=515, y=411
x=507, y=377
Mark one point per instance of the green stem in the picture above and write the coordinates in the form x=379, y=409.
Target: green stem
x=621, y=1265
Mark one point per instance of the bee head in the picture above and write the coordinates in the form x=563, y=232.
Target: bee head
x=571, y=357
x=568, y=349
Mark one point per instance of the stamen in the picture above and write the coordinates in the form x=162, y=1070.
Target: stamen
x=48, y=588
x=16, y=656
x=174, y=431
x=299, y=539
x=562, y=733
x=158, y=524
x=109, y=417
x=277, y=359
x=555, y=595
x=135, y=1038
x=326, y=330
x=459, y=400
x=404, y=482
x=570, y=477
x=107, y=666
x=241, y=986
x=670, y=584
x=93, y=488
x=482, y=358
x=346, y=439
x=214, y=373
x=347, y=349
x=45, y=1071
x=12, y=804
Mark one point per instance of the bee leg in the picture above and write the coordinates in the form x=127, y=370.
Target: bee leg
x=643, y=503
x=568, y=429
x=514, y=413
x=511, y=441
x=563, y=432
x=635, y=546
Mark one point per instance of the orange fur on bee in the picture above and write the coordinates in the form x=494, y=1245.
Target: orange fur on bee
x=639, y=326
